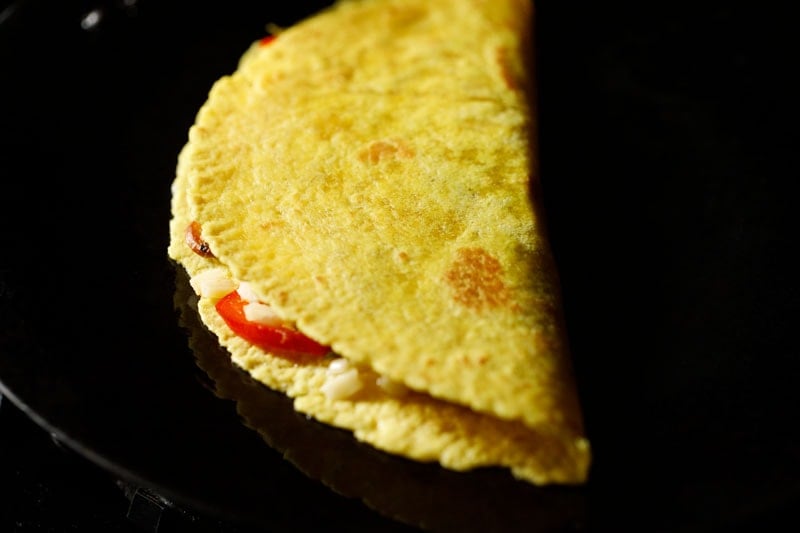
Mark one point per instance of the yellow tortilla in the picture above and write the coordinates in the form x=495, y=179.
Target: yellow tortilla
x=370, y=173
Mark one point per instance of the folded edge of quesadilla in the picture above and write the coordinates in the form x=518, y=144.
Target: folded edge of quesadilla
x=385, y=210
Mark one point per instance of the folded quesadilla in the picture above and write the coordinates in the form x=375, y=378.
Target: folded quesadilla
x=356, y=208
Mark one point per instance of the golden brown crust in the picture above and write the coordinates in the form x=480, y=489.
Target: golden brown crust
x=369, y=172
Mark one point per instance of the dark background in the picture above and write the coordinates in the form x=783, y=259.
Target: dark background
x=669, y=180
x=46, y=487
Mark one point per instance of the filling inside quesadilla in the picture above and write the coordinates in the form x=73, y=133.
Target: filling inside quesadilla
x=257, y=323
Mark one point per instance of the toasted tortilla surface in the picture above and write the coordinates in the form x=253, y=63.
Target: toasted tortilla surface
x=370, y=173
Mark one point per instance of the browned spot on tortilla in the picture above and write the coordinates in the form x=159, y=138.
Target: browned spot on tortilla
x=271, y=225
x=282, y=297
x=476, y=277
x=378, y=151
x=479, y=361
x=506, y=71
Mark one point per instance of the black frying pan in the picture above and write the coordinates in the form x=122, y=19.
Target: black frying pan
x=670, y=213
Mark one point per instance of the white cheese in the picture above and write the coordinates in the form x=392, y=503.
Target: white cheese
x=338, y=366
x=213, y=283
x=342, y=385
x=247, y=292
x=261, y=314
